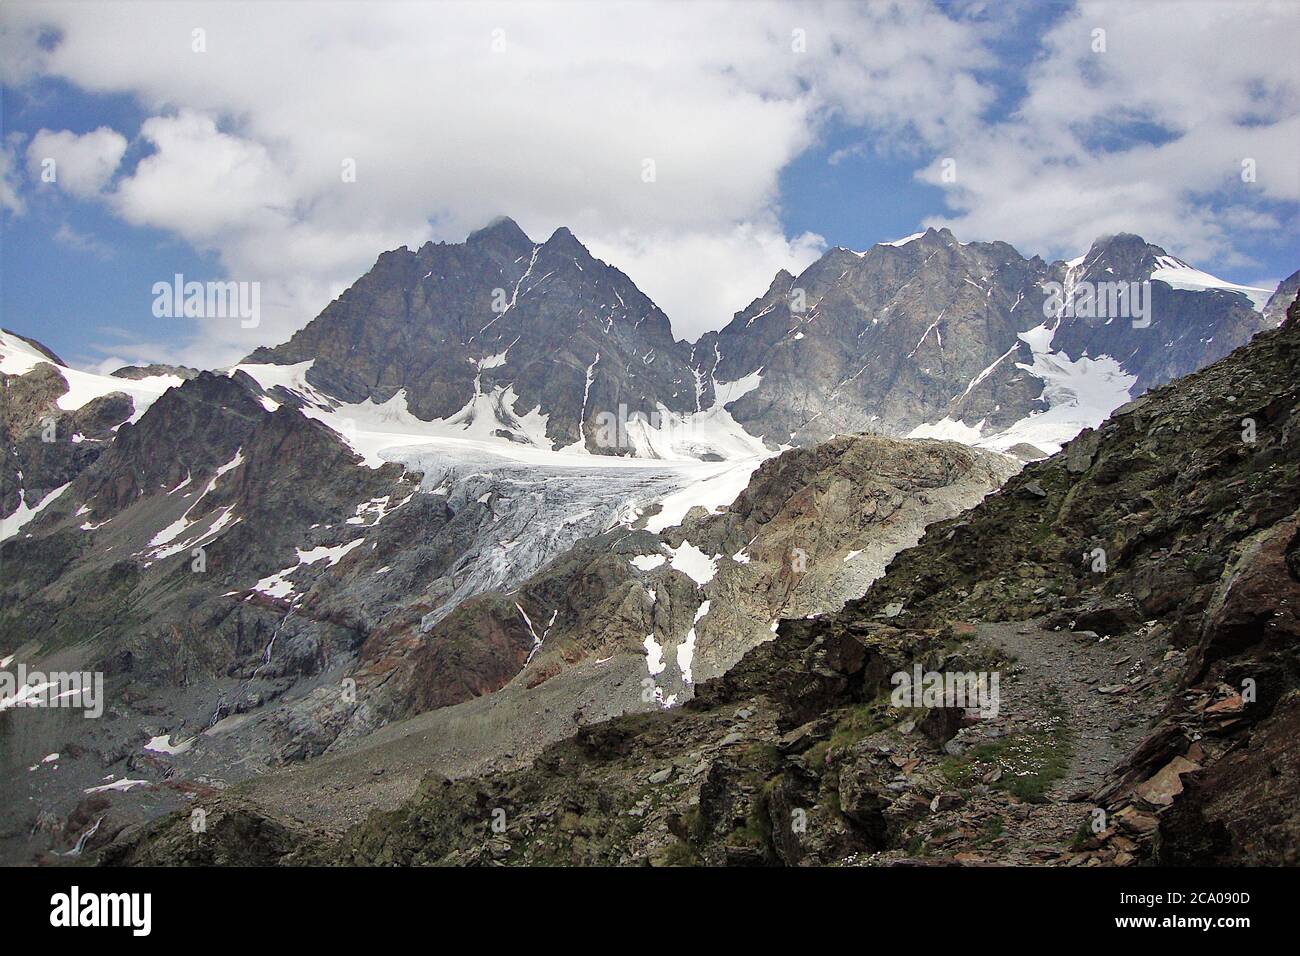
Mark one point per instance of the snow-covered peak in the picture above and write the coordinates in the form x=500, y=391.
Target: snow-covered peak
x=18, y=357
x=1132, y=258
x=1180, y=275
x=901, y=242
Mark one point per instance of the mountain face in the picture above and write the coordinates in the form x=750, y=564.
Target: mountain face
x=965, y=340
x=880, y=340
x=55, y=421
x=1187, y=323
x=1137, y=595
x=501, y=328
x=1275, y=309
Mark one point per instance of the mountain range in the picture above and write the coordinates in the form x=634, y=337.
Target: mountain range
x=504, y=336
x=487, y=497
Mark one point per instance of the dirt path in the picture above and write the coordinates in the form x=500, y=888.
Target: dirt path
x=1013, y=789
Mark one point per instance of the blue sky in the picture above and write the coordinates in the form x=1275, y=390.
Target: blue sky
x=768, y=159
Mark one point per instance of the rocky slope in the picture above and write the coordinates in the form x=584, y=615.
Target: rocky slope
x=259, y=594
x=230, y=565
x=263, y=667
x=1137, y=594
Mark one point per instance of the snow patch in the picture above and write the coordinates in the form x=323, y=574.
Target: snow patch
x=122, y=784
x=11, y=525
x=686, y=649
x=694, y=563
x=949, y=429
x=277, y=586
x=899, y=242
x=163, y=745
x=1180, y=275
x=654, y=656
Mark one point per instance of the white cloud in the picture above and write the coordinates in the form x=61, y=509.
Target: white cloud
x=202, y=183
x=1211, y=84
x=708, y=277
x=10, y=197
x=81, y=165
x=446, y=131
x=108, y=366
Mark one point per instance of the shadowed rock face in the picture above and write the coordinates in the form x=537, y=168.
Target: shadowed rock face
x=1275, y=310
x=509, y=312
x=1198, y=524
x=38, y=451
x=1188, y=329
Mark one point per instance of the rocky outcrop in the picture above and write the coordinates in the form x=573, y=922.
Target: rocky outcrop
x=1275, y=310
x=137, y=372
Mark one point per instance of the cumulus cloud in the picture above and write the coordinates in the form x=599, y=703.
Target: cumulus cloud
x=202, y=183
x=701, y=279
x=1142, y=118
x=453, y=113
x=80, y=165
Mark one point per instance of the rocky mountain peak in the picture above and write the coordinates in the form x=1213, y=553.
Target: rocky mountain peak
x=943, y=234
x=502, y=232
x=1125, y=256
x=563, y=240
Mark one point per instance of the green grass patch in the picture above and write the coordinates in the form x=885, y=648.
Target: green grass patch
x=1030, y=762
x=861, y=721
